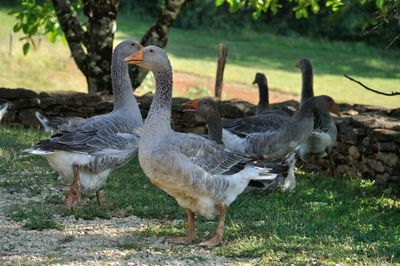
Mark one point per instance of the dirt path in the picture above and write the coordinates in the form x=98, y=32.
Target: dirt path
x=184, y=81
x=115, y=241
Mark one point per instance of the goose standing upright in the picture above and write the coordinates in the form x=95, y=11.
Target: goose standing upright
x=58, y=124
x=3, y=109
x=203, y=176
x=263, y=106
x=323, y=138
x=280, y=136
x=88, y=152
x=273, y=137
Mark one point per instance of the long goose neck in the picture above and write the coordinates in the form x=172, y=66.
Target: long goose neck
x=307, y=89
x=122, y=88
x=214, y=125
x=161, y=105
x=305, y=112
x=263, y=94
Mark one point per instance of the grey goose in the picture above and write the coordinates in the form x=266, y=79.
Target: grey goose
x=263, y=106
x=207, y=111
x=202, y=175
x=86, y=154
x=321, y=141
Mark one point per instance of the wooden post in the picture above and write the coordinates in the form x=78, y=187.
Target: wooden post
x=222, y=53
x=10, y=44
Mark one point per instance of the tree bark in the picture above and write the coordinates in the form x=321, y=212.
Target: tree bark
x=101, y=26
x=157, y=35
x=91, y=49
x=73, y=31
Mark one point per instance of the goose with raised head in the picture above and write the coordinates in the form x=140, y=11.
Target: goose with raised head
x=3, y=109
x=88, y=152
x=273, y=137
x=307, y=76
x=323, y=138
x=280, y=136
x=203, y=176
x=57, y=123
x=263, y=106
x=206, y=111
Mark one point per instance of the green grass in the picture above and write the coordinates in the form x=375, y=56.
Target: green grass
x=35, y=216
x=194, y=51
x=325, y=221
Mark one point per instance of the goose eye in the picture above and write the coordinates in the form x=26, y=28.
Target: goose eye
x=133, y=44
x=151, y=50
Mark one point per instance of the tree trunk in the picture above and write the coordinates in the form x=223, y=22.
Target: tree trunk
x=73, y=31
x=101, y=26
x=157, y=35
x=92, y=49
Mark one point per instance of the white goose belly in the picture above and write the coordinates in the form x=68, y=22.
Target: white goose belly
x=63, y=161
x=316, y=144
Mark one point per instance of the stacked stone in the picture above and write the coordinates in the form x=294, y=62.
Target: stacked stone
x=368, y=143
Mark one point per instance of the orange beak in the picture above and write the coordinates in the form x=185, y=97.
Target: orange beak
x=191, y=105
x=335, y=110
x=135, y=58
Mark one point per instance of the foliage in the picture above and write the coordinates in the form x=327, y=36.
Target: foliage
x=301, y=8
x=348, y=22
x=33, y=18
x=383, y=12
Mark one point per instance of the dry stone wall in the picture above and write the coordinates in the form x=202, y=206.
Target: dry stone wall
x=368, y=141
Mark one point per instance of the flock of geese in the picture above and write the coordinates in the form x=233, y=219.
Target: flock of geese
x=205, y=174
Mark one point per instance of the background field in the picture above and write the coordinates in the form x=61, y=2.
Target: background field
x=51, y=68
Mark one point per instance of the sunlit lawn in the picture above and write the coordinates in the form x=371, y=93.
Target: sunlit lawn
x=195, y=51
x=325, y=221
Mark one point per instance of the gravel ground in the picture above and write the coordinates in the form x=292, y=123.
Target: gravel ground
x=117, y=241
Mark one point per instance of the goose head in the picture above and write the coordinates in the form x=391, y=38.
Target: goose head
x=126, y=48
x=260, y=78
x=205, y=109
x=322, y=103
x=304, y=65
x=151, y=57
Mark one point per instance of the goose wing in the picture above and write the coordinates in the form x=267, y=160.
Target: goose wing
x=255, y=124
x=208, y=155
x=95, y=136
